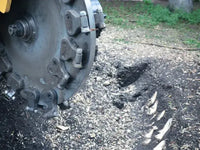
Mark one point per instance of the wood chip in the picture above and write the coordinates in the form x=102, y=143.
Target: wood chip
x=63, y=128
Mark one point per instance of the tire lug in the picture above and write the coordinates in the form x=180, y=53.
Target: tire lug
x=78, y=58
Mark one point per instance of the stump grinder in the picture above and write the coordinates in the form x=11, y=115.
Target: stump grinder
x=47, y=48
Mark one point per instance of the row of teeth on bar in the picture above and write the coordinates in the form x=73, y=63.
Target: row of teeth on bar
x=150, y=110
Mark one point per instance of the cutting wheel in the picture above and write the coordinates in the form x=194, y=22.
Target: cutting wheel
x=47, y=48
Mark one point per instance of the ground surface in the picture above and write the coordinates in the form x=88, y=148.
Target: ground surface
x=108, y=113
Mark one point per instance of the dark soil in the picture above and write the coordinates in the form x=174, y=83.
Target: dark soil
x=128, y=75
x=19, y=129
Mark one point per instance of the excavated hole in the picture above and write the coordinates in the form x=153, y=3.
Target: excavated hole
x=128, y=75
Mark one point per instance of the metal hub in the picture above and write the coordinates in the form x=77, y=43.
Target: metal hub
x=24, y=29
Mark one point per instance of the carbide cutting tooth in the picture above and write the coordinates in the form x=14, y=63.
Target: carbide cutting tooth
x=146, y=141
x=152, y=110
x=78, y=58
x=160, y=146
x=152, y=100
x=150, y=133
x=150, y=125
x=164, y=130
x=10, y=94
x=160, y=116
x=84, y=22
x=153, y=116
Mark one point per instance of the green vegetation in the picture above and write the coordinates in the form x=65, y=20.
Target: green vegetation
x=147, y=14
x=193, y=42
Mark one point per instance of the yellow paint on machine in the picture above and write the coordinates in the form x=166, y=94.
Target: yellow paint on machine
x=5, y=6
